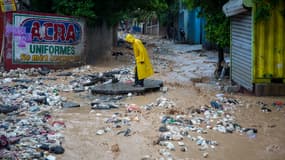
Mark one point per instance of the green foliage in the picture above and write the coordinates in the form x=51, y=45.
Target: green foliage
x=149, y=8
x=98, y=11
x=264, y=7
x=190, y=4
x=42, y=6
x=168, y=16
x=112, y=11
x=83, y=8
x=217, y=26
x=217, y=29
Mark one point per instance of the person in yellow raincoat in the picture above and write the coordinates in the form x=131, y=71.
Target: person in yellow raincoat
x=143, y=68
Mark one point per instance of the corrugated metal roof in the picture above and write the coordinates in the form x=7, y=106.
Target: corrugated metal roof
x=233, y=7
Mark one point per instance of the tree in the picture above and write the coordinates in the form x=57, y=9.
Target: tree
x=41, y=6
x=98, y=11
x=110, y=11
x=82, y=8
x=170, y=16
x=217, y=26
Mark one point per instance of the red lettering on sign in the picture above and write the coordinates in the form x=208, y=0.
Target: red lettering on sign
x=70, y=35
x=48, y=26
x=59, y=30
x=36, y=30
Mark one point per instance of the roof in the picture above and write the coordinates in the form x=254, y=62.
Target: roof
x=234, y=7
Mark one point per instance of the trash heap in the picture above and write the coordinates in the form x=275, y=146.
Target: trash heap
x=161, y=102
x=192, y=125
x=106, y=103
x=27, y=128
x=82, y=82
x=28, y=98
x=33, y=137
x=119, y=124
x=277, y=105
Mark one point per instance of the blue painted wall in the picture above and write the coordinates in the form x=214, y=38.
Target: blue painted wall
x=193, y=26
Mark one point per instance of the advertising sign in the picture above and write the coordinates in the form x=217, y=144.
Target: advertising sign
x=7, y=5
x=45, y=40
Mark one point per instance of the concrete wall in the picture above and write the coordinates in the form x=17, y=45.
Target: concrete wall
x=98, y=43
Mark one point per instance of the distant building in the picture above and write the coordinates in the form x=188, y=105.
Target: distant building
x=192, y=24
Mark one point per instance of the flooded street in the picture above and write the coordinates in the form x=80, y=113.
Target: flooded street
x=176, y=71
x=179, y=121
x=142, y=80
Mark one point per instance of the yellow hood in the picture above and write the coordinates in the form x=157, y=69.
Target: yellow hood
x=130, y=38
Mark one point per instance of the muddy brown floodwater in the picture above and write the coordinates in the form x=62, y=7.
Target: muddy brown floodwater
x=82, y=143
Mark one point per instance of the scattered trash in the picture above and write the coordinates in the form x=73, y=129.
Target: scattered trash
x=30, y=136
x=205, y=155
x=107, y=103
x=44, y=71
x=265, y=109
x=7, y=109
x=216, y=105
x=170, y=146
x=163, y=129
x=250, y=132
x=147, y=157
x=177, y=125
x=273, y=148
x=64, y=74
x=183, y=149
x=104, y=106
x=78, y=89
x=164, y=102
x=56, y=150
x=115, y=148
x=279, y=105
x=166, y=154
x=58, y=125
x=133, y=108
x=70, y=105
x=34, y=108
x=50, y=157
x=164, y=89
x=181, y=143
x=125, y=132
x=100, y=132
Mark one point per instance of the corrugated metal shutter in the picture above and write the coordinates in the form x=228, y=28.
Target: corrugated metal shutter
x=241, y=49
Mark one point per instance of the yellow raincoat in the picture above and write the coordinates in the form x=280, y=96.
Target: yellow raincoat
x=144, y=66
